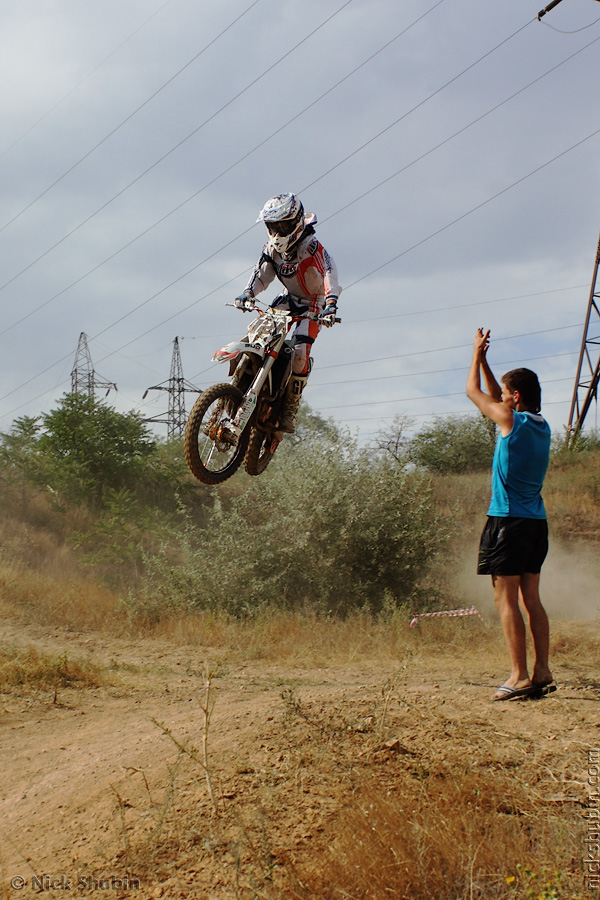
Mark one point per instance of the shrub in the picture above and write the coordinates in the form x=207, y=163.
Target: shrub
x=325, y=528
x=455, y=444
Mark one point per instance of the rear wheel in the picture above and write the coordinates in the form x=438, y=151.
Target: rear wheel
x=260, y=452
x=212, y=451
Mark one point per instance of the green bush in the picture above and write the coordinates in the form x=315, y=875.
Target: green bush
x=324, y=528
x=455, y=445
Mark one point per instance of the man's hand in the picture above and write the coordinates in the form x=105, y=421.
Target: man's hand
x=328, y=314
x=481, y=342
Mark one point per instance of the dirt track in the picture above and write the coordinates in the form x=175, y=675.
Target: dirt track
x=92, y=788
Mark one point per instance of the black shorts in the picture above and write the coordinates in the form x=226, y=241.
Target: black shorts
x=511, y=546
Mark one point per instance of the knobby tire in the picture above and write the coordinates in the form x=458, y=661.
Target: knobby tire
x=258, y=455
x=206, y=461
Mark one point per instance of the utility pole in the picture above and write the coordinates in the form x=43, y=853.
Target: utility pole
x=176, y=386
x=547, y=9
x=588, y=369
x=83, y=377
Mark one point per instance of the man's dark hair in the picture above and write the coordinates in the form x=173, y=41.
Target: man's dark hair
x=526, y=383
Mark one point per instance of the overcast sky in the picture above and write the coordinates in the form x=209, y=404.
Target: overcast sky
x=449, y=149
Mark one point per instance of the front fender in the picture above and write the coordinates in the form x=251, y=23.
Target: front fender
x=235, y=348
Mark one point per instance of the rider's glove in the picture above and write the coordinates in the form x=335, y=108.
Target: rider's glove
x=328, y=314
x=244, y=301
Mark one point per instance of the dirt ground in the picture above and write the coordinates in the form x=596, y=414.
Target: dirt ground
x=103, y=791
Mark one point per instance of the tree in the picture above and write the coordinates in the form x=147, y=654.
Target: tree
x=94, y=447
x=455, y=444
x=394, y=441
x=19, y=454
x=19, y=447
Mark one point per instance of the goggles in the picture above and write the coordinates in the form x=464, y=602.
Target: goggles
x=284, y=227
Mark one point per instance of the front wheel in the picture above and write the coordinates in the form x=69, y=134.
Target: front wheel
x=212, y=451
x=260, y=452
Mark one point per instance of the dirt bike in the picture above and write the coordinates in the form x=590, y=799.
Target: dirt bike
x=238, y=421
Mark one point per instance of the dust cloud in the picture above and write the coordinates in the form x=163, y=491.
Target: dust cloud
x=569, y=585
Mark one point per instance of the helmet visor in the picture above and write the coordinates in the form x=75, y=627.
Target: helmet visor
x=283, y=227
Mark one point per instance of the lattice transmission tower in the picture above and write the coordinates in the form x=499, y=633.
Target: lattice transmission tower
x=84, y=379
x=176, y=386
x=588, y=369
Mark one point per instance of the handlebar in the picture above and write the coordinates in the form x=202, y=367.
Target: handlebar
x=252, y=306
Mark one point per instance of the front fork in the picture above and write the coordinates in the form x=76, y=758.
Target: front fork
x=248, y=406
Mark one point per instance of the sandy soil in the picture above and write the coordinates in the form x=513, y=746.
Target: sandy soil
x=92, y=788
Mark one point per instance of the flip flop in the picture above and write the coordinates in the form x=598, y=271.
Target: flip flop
x=510, y=693
x=542, y=690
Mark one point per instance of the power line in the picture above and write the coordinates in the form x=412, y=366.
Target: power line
x=475, y=208
x=363, y=277
x=418, y=415
x=371, y=140
x=421, y=312
x=277, y=131
x=456, y=133
x=436, y=309
x=176, y=146
x=513, y=337
x=420, y=397
x=316, y=383
x=398, y=255
x=204, y=187
x=405, y=251
x=128, y=118
x=418, y=105
x=83, y=80
x=574, y=31
x=368, y=274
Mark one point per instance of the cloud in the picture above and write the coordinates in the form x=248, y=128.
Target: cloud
x=150, y=233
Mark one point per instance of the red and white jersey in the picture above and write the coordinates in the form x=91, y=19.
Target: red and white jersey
x=309, y=274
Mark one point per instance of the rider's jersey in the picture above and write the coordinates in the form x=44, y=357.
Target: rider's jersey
x=310, y=273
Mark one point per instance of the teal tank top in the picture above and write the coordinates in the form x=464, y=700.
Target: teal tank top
x=519, y=468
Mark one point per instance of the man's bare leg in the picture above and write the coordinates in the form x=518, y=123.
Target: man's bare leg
x=506, y=596
x=540, y=628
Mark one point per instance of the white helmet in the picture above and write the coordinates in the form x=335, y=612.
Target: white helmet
x=284, y=218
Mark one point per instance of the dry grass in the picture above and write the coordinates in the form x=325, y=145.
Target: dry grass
x=297, y=639
x=459, y=834
x=32, y=668
x=459, y=810
x=384, y=793
x=43, y=598
x=571, y=494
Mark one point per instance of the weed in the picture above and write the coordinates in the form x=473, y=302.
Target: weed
x=207, y=706
x=526, y=884
x=32, y=668
x=447, y=839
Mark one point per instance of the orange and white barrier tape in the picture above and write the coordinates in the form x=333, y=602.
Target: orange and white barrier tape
x=471, y=611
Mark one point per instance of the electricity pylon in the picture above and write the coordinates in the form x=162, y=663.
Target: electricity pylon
x=176, y=386
x=588, y=369
x=83, y=377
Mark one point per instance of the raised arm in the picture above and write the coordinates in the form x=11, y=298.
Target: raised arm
x=493, y=388
x=489, y=404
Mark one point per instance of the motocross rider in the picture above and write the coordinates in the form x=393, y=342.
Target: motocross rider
x=310, y=280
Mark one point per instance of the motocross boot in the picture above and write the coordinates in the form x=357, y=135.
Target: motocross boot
x=291, y=402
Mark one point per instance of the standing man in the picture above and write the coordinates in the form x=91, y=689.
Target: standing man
x=514, y=542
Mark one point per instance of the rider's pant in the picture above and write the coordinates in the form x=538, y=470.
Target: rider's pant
x=305, y=332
